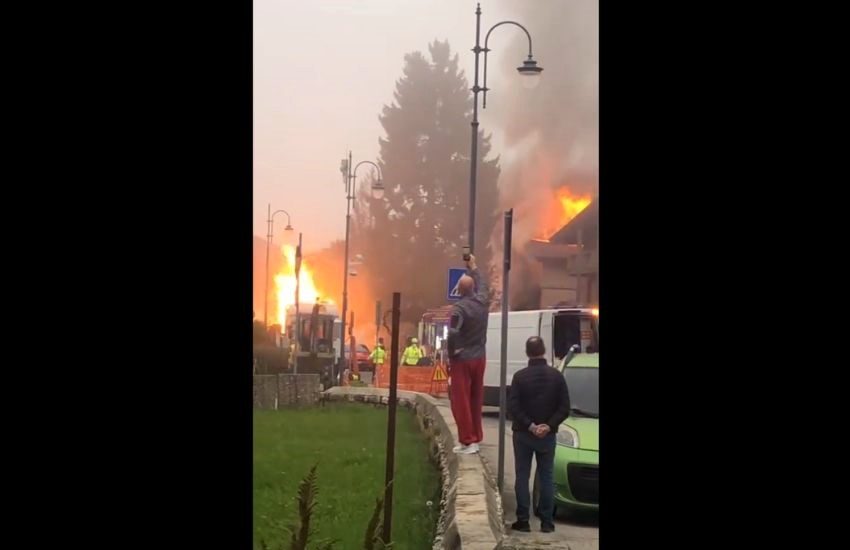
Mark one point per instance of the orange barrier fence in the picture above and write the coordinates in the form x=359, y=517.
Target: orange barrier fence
x=428, y=379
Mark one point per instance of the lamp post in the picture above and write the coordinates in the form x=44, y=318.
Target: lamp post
x=269, y=236
x=529, y=69
x=297, y=331
x=349, y=175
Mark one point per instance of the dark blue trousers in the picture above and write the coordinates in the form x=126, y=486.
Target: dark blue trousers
x=526, y=446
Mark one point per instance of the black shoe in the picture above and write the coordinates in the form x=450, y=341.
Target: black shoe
x=520, y=525
x=547, y=528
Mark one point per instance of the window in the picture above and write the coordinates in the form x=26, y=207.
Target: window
x=567, y=332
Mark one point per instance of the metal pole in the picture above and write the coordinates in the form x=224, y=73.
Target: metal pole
x=266, y=292
x=297, y=305
x=388, y=480
x=345, y=266
x=352, y=357
x=473, y=160
x=377, y=320
x=503, y=366
x=375, y=370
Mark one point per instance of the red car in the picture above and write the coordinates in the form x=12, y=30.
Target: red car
x=362, y=357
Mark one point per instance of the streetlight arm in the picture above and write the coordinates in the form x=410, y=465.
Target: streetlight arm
x=354, y=175
x=378, y=168
x=288, y=219
x=486, y=49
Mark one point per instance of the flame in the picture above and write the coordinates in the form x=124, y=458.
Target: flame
x=564, y=208
x=285, y=285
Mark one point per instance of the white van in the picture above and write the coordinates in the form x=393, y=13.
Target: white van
x=560, y=329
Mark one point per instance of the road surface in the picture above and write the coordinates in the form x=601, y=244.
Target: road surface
x=576, y=532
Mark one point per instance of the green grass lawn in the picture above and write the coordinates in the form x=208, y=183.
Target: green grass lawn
x=348, y=441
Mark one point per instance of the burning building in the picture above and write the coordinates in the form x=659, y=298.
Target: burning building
x=285, y=284
x=570, y=261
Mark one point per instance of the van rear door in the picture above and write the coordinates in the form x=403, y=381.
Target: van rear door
x=575, y=327
x=547, y=333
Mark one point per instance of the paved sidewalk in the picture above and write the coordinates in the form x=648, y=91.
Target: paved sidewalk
x=573, y=532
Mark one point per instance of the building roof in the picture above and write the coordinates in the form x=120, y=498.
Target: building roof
x=587, y=222
x=543, y=250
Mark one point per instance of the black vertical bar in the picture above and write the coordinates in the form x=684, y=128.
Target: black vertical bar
x=388, y=497
x=297, y=330
x=503, y=363
x=377, y=320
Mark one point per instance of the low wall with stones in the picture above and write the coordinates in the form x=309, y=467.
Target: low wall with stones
x=273, y=391
x=470, y=508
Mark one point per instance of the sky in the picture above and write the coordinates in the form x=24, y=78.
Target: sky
x=323, y=70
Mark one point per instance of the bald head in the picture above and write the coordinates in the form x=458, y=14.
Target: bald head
x=466, y=285
x=534, y=347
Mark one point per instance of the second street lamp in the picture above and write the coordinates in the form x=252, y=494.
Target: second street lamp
x=530, y=72
x=269, y=236
x=349, y=175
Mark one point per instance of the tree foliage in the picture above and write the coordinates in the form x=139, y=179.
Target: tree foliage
x=417, y=230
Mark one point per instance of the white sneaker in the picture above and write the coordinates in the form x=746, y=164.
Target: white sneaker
x=467, y=449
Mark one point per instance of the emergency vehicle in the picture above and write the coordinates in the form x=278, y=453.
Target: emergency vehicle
x=434, y=331
x=314, y=352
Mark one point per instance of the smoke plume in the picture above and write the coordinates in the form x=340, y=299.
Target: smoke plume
x=551, y=133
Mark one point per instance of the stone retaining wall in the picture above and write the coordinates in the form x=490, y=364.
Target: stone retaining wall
x=273, y=391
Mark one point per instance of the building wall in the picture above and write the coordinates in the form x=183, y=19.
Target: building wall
x=555, y=285
x=570, y=263
x=583, y=270
x=573, y=280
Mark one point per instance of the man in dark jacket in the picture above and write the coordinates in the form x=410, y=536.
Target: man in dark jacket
x=466, y=346
x=539, y=401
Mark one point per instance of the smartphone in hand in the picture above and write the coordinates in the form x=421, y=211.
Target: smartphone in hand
x=466, y=254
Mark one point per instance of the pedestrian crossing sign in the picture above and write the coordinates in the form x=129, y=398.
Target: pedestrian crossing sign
x=453, y=292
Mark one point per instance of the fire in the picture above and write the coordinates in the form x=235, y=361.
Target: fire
x=565, y=207
x=285, y=285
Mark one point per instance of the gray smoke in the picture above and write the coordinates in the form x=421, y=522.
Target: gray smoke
x=559, y=120
x=551, y=133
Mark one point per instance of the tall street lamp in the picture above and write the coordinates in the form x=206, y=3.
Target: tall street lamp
x=269, y=237
x=529, y=70
x=349, y=175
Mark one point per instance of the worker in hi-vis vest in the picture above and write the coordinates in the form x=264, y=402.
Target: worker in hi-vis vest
x=377, y=357
x=412, y=353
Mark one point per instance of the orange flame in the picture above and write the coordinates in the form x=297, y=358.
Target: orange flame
x=285, y=286
x=564, y=208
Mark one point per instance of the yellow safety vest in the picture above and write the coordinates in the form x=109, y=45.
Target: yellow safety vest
x=378, y=355
x=412, y=355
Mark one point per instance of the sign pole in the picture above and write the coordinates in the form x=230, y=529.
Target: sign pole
x=503, y=367
x=390, y=473
x=377, y=320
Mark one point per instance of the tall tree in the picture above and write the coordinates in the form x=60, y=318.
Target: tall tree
x=417, y=230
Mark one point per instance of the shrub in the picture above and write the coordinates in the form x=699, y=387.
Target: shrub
x=300, y=535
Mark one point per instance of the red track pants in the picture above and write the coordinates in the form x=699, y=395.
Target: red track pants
x=467, y=397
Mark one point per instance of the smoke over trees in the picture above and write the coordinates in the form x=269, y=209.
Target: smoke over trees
x=417, y=230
